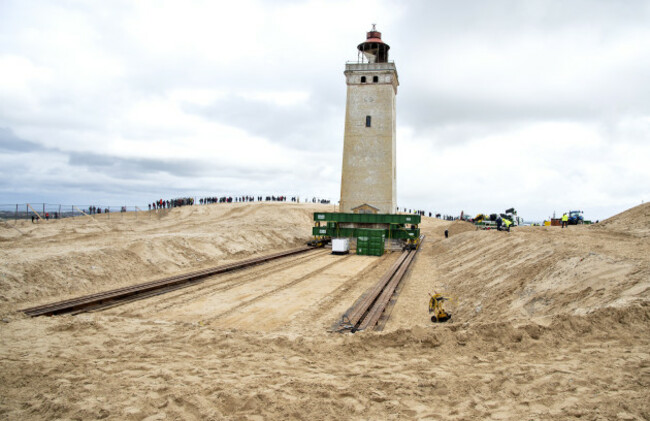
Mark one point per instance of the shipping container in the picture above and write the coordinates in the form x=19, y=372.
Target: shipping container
x=370, y=242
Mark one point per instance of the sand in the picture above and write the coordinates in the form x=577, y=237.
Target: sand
x=547, y=323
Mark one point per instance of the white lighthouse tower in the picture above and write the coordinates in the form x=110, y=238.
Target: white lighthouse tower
x=368, y=173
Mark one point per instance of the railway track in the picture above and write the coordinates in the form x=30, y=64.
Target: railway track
x=120, y=296
x=305, y=277
x=364, y=314
x=368, y=309
x=232, y=280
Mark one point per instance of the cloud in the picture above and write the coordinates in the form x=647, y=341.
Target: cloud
x=494, y=172
x=10, y=143
x=539, y=104
x=295, y=120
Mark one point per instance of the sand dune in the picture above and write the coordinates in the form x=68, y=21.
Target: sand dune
x=547, y=323
x=69, y=257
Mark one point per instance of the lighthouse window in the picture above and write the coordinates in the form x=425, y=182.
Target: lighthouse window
x=375, y=79
x=363, y=79
x=368, y=121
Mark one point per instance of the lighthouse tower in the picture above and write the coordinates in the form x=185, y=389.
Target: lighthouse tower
x=368, y=173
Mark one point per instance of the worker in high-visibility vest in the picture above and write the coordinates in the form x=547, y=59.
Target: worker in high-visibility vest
x=565, y=220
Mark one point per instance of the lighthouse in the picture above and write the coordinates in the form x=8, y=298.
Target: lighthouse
x=367, y=216
x=368, y=170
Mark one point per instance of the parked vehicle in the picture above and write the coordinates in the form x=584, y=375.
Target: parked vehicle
x=576, y=217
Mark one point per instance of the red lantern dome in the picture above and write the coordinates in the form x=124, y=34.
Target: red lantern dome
x=373, y=48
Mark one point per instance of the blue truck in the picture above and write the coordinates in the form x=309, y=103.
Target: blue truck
x=576, y=217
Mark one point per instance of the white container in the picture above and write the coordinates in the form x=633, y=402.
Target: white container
x=340, y=245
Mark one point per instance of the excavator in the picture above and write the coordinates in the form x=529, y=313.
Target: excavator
x=436, y=307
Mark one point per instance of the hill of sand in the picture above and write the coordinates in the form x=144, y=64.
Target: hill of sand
x=633, y=221
x=65, y=258
x=548, y=323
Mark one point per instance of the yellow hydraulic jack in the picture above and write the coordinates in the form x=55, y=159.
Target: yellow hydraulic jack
x=435, y=307
x=412, y=244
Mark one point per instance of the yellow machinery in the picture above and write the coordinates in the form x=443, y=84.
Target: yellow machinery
x=412, y=244
x=435, y=307
x=480, y=218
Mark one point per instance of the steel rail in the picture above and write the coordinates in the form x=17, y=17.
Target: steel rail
x=357, y=313
x=366, y=313
x=77, y=305
x=380, y=304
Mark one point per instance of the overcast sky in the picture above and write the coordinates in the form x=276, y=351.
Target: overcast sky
x=540, y=105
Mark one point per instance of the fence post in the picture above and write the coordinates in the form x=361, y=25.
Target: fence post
x=16, y=212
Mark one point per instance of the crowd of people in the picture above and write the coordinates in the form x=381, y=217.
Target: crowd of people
x=430, y=214
x=161, y=204
x=225, y=199
x=171, y=203
x=184, y=201
x=93, y=210
x=241, y=199
x=46, y=215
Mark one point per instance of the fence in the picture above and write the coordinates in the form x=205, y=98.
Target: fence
x=58, y=211
x=49, y=211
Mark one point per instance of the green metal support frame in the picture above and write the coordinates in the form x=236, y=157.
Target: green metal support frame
x=367, y=218
x=399, y=233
